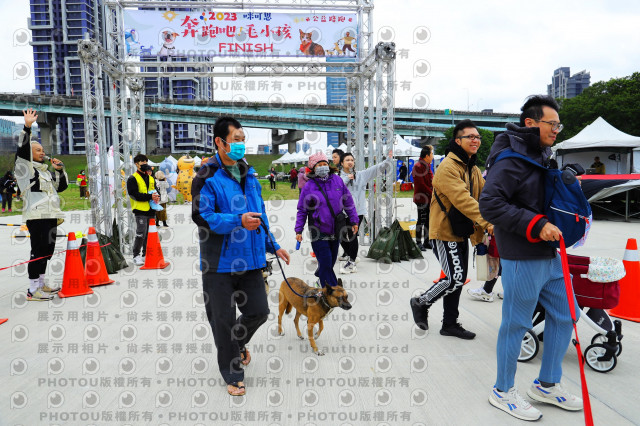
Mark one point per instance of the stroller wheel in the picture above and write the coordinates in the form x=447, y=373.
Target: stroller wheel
x=598, y=338
x=592, y=355
x=601, y=338
x=529, y=347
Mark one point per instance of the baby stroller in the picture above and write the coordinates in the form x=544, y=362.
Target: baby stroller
x=605, y=346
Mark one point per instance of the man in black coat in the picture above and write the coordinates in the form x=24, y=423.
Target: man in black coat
x=513, y=200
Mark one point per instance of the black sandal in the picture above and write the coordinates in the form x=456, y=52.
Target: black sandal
x=237, y=386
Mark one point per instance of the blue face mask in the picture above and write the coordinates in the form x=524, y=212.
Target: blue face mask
x=237, y=151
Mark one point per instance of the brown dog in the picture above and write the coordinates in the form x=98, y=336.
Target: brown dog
x=315, y=307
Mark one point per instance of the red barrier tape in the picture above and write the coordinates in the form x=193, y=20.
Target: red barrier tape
x=43, y=257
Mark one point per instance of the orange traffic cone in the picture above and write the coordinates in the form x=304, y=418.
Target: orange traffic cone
x=73, y=281
x=154, y=258
x=442, y=275
x=629, y=306
x=95, y=271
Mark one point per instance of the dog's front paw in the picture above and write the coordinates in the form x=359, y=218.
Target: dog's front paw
x=281, y=333
x=315, y=336
x=319, y=353
x=301, y=337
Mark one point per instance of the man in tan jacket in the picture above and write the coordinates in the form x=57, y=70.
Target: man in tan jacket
x=457, y=184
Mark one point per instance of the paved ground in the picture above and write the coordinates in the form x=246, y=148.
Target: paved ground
x=140, y=351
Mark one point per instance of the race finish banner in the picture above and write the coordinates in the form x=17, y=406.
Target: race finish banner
x=220, y=33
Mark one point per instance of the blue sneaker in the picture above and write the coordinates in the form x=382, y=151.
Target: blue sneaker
x=513, y=403
x=556, y=395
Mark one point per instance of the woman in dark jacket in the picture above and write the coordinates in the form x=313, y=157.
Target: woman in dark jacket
x=423, y=189
x=8, y=188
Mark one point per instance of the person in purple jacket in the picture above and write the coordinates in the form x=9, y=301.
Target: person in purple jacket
x=302, y=178
x=313, y=205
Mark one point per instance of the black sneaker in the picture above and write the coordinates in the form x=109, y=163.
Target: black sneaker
x=456, y=330
x=421, y=247
x=420, y=314
x=427, y=245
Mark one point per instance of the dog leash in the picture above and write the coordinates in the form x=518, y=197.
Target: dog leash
x=588, y=417
x=280, y=264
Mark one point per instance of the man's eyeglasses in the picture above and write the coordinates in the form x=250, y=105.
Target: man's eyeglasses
x=472, y=137
x=554, y=126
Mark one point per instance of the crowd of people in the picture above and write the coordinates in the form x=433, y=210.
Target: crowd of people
x=454, y=205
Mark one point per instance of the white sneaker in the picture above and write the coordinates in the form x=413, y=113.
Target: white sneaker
x=480, y=294
x=138, y=260
x=514, y=404
x=39, y=295
x=348, y=268
x=357, y=259
x=45, y=288
x=500, y=295
x=556, y=395
x=344, y=257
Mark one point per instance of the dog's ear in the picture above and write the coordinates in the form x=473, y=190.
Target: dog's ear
x=329, y=289
x=301, y=32
x=339, y=282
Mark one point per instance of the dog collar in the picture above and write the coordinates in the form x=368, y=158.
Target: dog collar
x=323, y=300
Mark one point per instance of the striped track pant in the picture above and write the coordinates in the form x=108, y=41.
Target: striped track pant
x=454, y=262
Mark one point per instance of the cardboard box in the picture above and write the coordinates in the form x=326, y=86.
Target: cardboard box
x=409, y=226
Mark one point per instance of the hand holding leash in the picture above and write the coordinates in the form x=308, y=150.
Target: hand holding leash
x=251, y=220
x=550, y=232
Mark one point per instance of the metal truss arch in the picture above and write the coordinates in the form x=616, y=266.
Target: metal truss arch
x=369, y=104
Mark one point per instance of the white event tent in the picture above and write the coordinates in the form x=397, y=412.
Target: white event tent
x=619, y=151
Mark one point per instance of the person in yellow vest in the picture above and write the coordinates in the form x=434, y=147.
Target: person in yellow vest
x=138, y=187
x=600, y=168
x=81, y=180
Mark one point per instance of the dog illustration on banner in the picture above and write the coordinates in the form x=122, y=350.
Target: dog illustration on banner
x=308, y=46
x=144, y=51
x=337, y=49
x=168, y=49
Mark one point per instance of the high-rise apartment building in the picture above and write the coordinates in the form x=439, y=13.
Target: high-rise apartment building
x=336, y=93
x=565, y=85
x=180, y=137
x=56, y=27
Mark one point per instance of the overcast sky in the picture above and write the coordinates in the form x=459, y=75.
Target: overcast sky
x=487, y=54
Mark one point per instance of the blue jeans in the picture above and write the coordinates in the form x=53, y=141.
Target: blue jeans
x=525, y=282
x=326, y=252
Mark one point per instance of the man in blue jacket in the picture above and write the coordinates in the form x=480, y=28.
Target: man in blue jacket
x=513, y=200
x=229, y=211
